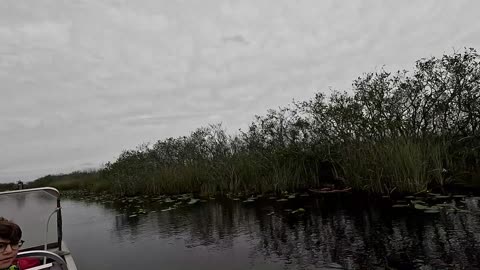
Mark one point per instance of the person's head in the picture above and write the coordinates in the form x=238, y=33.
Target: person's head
x=10, y=242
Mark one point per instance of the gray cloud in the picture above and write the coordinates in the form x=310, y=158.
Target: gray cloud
x=83, y=80
x=236, y=39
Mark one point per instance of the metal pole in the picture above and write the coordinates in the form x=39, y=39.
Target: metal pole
x=46, y=232
x=59, y=225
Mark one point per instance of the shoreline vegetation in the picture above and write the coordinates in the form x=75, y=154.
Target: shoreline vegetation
x=393, y=133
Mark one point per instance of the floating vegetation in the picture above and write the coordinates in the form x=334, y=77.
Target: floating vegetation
x=249, y=200
x=193, y=201
x=420, y=206
x=299, y=210
x=282, y=200
x=442, y=197
x=434, y=203
x=418, y=202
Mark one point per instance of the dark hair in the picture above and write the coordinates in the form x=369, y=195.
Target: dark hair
x=10, y=231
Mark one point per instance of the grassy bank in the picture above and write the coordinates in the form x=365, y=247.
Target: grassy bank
x=80, y=180
x=399, y=132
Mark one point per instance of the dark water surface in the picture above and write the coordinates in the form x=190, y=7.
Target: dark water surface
x=335, y=231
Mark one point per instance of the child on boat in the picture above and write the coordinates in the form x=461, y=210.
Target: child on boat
x=10, y=243
x=10, y=235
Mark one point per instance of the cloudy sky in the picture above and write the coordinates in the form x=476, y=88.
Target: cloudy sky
x=82, y=80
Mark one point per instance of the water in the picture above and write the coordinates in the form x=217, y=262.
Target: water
x=31, y=212
x=333, y=232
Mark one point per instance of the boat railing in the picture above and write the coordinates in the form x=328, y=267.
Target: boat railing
x=57, y=262
x=58, y=210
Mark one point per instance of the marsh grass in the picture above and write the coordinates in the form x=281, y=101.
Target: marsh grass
x=395, y=132
x=402, y=165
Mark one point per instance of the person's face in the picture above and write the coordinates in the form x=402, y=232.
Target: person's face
x=7, y=253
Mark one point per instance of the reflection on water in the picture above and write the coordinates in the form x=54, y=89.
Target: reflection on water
x=232, y=235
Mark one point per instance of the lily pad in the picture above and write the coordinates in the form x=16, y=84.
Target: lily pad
x=299, y=210
x=291, y=196
x=432, y=211
x=421, y=206
x=282, y=200
x=418, y=202
x=442, y=197
x=193, y=201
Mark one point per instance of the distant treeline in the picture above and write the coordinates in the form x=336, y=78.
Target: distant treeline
x=7, y=186
x=85, y=180
x=394, y=132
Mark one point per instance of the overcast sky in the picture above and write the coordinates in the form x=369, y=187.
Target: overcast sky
x=83, y=80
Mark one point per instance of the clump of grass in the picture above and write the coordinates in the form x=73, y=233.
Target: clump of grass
x=402, y=165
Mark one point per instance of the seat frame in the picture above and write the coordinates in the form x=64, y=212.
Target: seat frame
x=57, y=260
